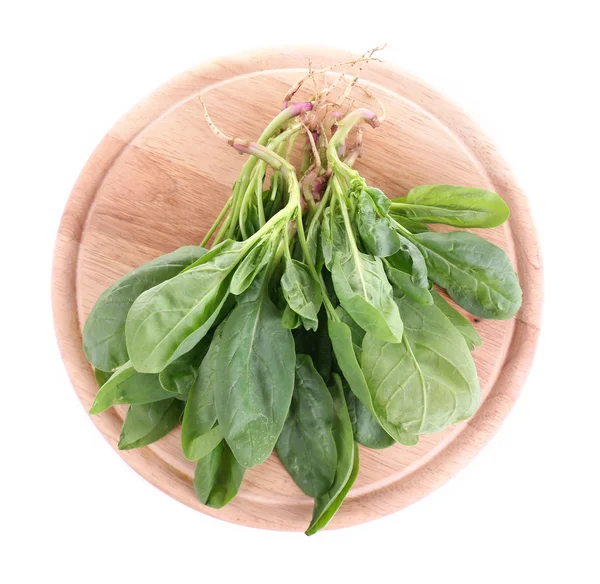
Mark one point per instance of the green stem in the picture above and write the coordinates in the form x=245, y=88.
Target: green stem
x=292, y=207
x=344, y=127
x=258, y=174
x=217, y=221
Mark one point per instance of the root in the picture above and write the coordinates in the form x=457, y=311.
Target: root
x=311, y=73
x=315, y=150
x=220, y=135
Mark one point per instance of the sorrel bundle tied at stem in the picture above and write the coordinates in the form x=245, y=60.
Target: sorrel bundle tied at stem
x=309, y=320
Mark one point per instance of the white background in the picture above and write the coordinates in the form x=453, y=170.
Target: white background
x=526, y=510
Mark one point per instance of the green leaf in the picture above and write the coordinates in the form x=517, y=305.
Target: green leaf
x=104, y=331
x=101, y=376
x=180, y=376
x=302, y=292
x=256, y=379
x=256, y=260
x=306, y=446
x=380, y=200
x=367, y=430
x=410, y=259
x=476, y=274
x=365, y=426
x=290, y=319
x=333, y=236
x=450, y=205
x=317, y=346
x=199, y=435
x=377, y=233
x=428, y=381
x=313, y=243
x=412, y=226
x=127, y=386
x=346, y=470
x=218, y=477
x=343, y=346
x=168, y=320
x=356, y=332
x=147, y=423
x=365, y=293
x=399, y=269
x=462, y=325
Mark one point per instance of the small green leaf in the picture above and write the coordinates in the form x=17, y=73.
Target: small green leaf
x=317, y=345
x=199, y=435
x=104, y=331
x=256, y=260
x=302, y=292
x=425, y=383
x=410, y=224
x=180, y=376
x=367, y=430
x=147, y=423
x=290, y=319
x=377, y=233
x=306, y=446
x=380, y=200
x=346, y=471
x=476, y=274
x=450, y=205
x=101, y=376
x=127, y=386
x=256, y=379
x=168, y=320
x=363, y=290
x=218, y=477
x=462, y=325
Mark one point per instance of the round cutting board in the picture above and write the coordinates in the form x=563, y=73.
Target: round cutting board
x=158, y=180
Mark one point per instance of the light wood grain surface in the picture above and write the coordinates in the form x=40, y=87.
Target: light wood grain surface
x=158, y=180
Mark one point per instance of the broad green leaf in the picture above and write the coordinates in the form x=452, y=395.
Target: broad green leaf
x=256, y=379
x=313, y=239
x=290, y=319
x=343, y=341
x=380, y=200
x=428, y=381
x=317, y=345
x=457, y=206
x=367, y=430
x=102, y=376
x=326, y=238
x=199, y=435
x=127, y=386
x=346, y=468
x=306, y=446
x=476, y=274
x=377, y=233
x=398, y=269
x=410, y=224
x=218, y=477
x=410, y=259
x=333, y=236
x=256, y=260
x=179, y=376
x=343, y=347
x=365, y=293
x=147, y=423
x=462, y=324
x=168, y=320
x=302, y=292
x=104, y=331
x=355, y=330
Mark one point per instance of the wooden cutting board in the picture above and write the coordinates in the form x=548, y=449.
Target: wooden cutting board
x=158, y=180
